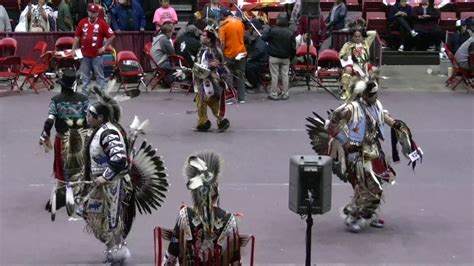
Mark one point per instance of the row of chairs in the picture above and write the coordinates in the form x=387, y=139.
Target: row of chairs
x=378, y=20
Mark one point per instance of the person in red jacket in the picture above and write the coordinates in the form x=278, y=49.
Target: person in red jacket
x=91, y=32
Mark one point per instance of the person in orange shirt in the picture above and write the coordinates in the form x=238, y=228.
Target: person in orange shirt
x=231, y=35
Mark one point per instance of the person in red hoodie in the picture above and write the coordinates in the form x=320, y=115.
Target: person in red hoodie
x=90, y=33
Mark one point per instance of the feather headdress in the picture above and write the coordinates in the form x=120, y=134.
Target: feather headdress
x=202, y=171
x=114, y=109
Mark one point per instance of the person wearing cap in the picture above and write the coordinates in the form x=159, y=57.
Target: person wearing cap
x=90, y=33
x=257, y=59
x=231, y=35
x=67, y=111
x=357, y=130
x=459, y=36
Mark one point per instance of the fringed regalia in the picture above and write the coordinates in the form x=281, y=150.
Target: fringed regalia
x=204, y=234
x=136, y=179
x=210, y=89
x=353, y=136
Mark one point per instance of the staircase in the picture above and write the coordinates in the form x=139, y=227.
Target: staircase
x=390, y=57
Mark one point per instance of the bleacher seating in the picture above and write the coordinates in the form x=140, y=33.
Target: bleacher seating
x=353, y=5
x=467, y=14
x=463, y=5
x=377, y=21
x=372, y=6
x=447, y=21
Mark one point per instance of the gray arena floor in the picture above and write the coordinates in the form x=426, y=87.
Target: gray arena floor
x=428, y=213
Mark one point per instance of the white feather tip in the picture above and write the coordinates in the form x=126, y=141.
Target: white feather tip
x=135, y=123
x=197, y=163
x=359, y=87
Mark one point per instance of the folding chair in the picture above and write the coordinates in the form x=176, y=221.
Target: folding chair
x=329, y=68
x=178, y=62
x=377, y=21
x=10, y=70
x=459, y=74
x=38, y=50
x=37, y=72
x=447, y=21
x=63, y=56
x=302, y=69
x=129, y=70
x=109, y=57
x=158, y=73
x=162, y=236
x=8, y=47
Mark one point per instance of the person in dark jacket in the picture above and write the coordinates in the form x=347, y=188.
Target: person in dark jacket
x=459, y=36
x=257, y=59
x=337, y=16
x=399, y=18
x=426, y=24
x=128, y=15
x=188, y=44
x=282, y=49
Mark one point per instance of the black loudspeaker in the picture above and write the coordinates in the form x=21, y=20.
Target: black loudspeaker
x=310, y=8
x=310, y=173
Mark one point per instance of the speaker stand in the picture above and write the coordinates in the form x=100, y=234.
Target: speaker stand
x=309, y=225
x=308, y=76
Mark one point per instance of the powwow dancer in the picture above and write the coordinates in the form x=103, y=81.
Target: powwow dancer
x=353, y=136
x=204, y=234
x=209, y=83
x=67, y=113
x=124, y=178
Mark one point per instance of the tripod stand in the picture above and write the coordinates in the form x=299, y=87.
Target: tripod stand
x=308, y=76
x=309, y=225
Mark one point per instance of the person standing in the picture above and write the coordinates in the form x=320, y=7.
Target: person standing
x=282, y=48
x=64, y=20
x=90, y=33
x=165, y=14
x=337, y=16
x=67, y=113
x=231, y=35
x=106, y=166
x=128, y=15
x=5, y=24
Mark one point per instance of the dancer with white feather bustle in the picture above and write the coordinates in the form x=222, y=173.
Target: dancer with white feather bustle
x=204, y=234
x=67, y=113
x=353, y=136
x=123, y=178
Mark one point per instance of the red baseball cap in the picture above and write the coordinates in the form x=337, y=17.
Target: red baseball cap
x=92, y=8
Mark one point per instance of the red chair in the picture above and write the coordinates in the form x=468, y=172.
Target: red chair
x=64, y=43
x=447, y=21
x=129, y=70
x=353, y=5
x=37, y=73
x=8, y=47
x=329, y=68
x=465, y=15
x=459, y=74
x=158, y=73
x=463, y=6
x=302, y=69
x=162, y=236
x=10, y=70
x=377, y=21
x=372, y=6
x=326, y=5
x=179, y=62
x=38, y=50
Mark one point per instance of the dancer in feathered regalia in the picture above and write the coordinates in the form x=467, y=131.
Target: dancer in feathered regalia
x=67, y=113
x=204, y=234
x=122, y=178
x=353, y=136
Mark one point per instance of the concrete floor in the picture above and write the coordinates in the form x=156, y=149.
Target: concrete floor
x=428, y=213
